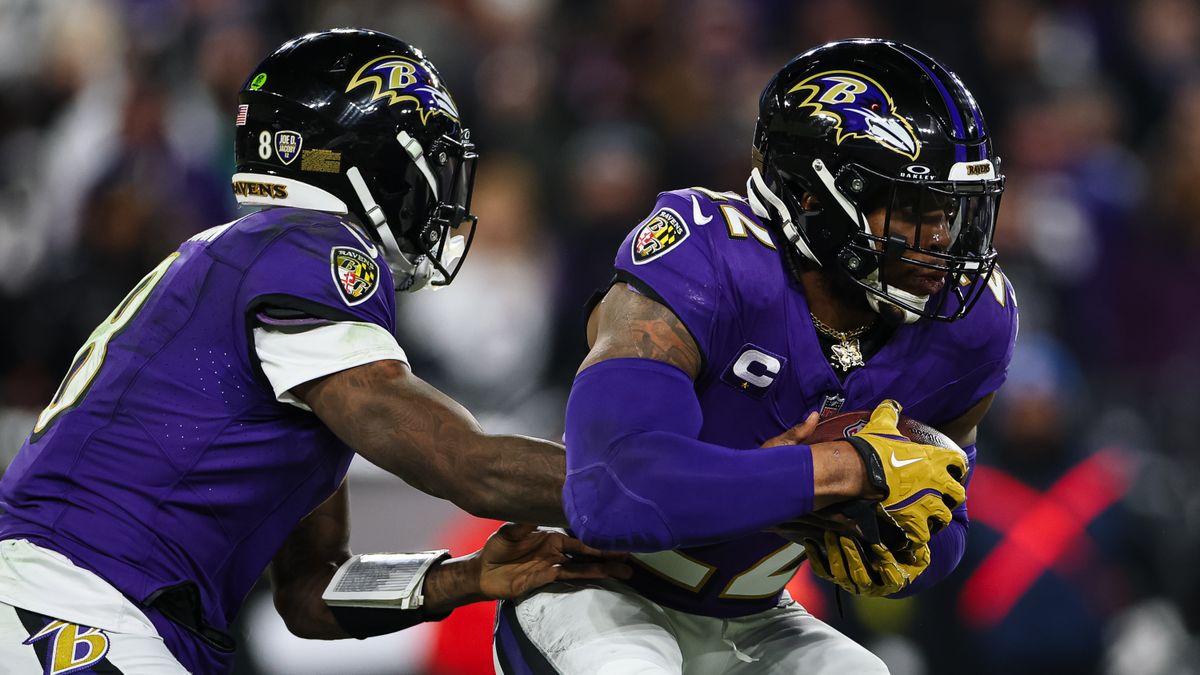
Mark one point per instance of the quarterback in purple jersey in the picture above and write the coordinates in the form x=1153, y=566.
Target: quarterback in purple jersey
x=205, y=428
x=857, y=273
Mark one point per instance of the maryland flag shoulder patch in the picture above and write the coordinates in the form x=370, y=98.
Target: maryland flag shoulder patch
x=355, y=274
x=660, y=233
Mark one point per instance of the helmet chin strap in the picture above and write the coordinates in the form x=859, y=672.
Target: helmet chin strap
x=908, y=316
x=407, y=275
x=756, y=192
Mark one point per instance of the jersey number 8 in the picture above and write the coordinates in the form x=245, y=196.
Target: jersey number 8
x=90, y=356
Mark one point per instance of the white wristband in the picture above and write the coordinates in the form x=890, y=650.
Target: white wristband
x=393, y=580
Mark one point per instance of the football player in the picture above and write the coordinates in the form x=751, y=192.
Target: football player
x=857, y=273
x=205, y=428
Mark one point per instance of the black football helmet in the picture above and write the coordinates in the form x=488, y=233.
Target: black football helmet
x=359, y=122
x=867, y=124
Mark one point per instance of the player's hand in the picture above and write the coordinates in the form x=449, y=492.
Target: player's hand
x=519, y=558
x=797, y=434
x=864, y=569
x=920, y=483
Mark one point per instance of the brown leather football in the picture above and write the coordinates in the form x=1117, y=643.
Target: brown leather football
x=854, y=518
x=848, y=423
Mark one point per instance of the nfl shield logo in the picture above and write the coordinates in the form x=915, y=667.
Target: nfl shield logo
x=287, y=145
x=832, y=405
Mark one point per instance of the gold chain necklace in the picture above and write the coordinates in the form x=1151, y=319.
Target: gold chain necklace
x=847, y=353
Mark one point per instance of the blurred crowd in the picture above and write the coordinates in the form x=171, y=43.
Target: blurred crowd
x=116, y=135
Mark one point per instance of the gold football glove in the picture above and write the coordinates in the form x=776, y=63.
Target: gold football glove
x=921, y=483
x=870, y=570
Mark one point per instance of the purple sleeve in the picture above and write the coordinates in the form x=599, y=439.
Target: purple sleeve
x=946, y=548
x=323, y=271
x=639, y=480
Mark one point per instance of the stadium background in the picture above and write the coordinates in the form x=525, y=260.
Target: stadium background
x=115, y=134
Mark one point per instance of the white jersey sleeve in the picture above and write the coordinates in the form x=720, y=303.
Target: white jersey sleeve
x=290, y=358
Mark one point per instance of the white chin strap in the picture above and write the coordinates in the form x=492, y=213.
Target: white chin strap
x=917, y=301
x=408, y=274
x=757, y=191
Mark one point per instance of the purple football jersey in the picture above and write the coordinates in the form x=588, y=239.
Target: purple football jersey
x=713, y=262
x=176, y=463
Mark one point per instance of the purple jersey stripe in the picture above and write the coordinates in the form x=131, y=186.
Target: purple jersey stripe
x=309, y=321
x=893, y=437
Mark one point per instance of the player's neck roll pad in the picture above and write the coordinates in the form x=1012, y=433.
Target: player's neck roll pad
x=638, y=478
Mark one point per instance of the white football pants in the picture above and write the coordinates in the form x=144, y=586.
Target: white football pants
x=77, y=624
x=604, y=628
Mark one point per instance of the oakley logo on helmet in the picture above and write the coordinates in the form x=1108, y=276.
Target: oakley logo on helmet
x=400, y=78
x=917, y=172
x=860, y=108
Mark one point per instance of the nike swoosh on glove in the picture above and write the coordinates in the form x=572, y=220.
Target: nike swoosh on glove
x=921, y=483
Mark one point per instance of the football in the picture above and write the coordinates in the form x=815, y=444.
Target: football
x=848, y=423
x=856, y=518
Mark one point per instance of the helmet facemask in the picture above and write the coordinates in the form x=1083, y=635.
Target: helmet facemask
x=434, y=198
x=943, y=228
x=910, y=232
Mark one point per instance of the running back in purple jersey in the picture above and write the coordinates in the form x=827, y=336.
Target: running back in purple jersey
x=715, y=264
x=165, y=458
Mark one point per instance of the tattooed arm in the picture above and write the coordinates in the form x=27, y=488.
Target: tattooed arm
x=629, y=324
x=404, y=425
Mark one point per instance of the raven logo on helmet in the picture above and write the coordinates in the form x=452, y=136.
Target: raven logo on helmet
x=400, y=78
x=860, y=108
